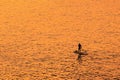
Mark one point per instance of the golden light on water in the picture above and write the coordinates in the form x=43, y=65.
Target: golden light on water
x=38, y=37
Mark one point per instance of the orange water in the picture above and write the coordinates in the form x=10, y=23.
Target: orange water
x=38, y=37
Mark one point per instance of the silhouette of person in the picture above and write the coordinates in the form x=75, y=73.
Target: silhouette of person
x=79, y=47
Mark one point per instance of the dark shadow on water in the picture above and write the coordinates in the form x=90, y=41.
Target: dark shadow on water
x=80, y=54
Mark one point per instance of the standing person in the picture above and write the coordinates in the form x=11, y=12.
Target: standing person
x=79, y=47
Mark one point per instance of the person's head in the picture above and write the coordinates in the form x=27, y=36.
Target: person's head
x=79, y=44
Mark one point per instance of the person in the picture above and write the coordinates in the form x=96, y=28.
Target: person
x=79, y=47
